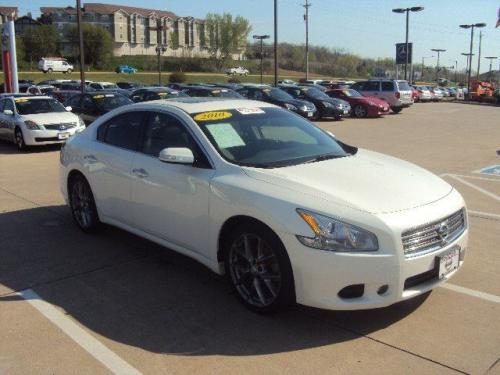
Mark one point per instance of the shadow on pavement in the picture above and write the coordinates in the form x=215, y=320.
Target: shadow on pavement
x=9, y=148
x=134, y=292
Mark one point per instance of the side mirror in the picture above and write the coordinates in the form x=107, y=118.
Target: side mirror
x=69, y=108
x=177, y=155
x=135, y=98
x=8, y=112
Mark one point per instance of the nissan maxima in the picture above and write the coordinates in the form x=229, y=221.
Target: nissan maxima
x=285, y=210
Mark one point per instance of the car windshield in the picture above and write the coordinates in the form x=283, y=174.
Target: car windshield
x=27, y=106
x=315, y=93
x=352, y=93
x=109, y=102
x=266, y=137
x=110, y=86
x=278, y=94
x=404, y=86
x=171, y=93
x=225, y=93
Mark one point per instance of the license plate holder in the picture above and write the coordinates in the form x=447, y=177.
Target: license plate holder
x=309, y=114
x=63, y=135
x=448, y=261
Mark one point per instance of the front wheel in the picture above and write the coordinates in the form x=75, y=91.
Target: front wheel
x=360, y=111
x=82, y=204
x=19, y=139
x=49, y=70
x=258, y=269
x=397, y=110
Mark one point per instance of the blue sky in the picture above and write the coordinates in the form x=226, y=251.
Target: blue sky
x=365, y=27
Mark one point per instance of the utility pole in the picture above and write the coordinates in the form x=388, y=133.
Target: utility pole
x=438, y=50
x=306, y=18
x=456, y=72
x=491, y=58
x=261, y=54
x=275, y=42
x=479, y=54
x=80, y=37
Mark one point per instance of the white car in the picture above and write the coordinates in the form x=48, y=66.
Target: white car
x=261, y=194
x=49, y=65
x=237, y=71
x=424, y=95
x=36, y=121
x=103, y=86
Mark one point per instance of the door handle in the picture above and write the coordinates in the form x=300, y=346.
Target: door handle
x=140, y=172
x=91, y=159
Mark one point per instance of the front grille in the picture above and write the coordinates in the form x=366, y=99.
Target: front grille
x=433, y=236
x=62, y=126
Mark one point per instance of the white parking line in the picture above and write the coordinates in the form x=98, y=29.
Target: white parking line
x=475, y=177
x=483, y=214
x=481, y=190
x=94, y=347
x=472, y=292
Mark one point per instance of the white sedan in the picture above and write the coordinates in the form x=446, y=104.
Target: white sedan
x=36, y=121
x=286, y=211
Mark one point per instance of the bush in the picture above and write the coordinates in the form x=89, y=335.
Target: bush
x=233, y=80
x=177, y=77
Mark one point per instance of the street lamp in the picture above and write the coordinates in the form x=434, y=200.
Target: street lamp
x=491, y=58
x=261, y=55
x=407, y=11
x=275, y=42
x=423, y=63
x=471, y=27
x=160, y=48
x=438, y=50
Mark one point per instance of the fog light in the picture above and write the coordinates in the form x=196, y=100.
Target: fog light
x=383, y=289
x=352, y=291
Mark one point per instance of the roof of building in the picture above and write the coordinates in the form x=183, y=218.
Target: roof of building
x=7, y=11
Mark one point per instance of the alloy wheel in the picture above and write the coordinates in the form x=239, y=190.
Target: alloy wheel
x=81, y=203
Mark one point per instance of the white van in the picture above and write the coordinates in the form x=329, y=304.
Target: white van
x=49, y=65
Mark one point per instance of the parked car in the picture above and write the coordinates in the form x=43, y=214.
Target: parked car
x=36, y=121
x=40, y=89
x=178, y=86
x=125, y=69
x=103, y=86
x=362, y=106
x=129, y=85
x=286, y=211
x=49, y=65
x=154, y=93
x=241, y=71
x=326, y=106
x=288, y=82
x=395, y=92
x=217, y=92
x=232, y=86
x=279, y=97
x=89, y=106
x=424, y=95
x=437, y=94
x=445, y=91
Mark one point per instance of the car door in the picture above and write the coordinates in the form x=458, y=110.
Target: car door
x=171, y=200
x=109, y=161
x=88, y=109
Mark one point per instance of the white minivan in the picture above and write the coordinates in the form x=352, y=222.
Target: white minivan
x=48, y=65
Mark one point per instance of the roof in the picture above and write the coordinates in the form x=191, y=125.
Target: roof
x=195, y=105
x=7, y=11
x=111, y=8
x=49, y=10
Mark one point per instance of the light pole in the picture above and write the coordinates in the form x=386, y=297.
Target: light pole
x=438, y=50
x=423, y=64
x=261, y=54
x=275, y=42
x=491, y=58
x=160, y=48
x=306, y=18
x=80, y=45
x=471, y=27
x=407, y=11
x=456, y=72
x=469, y=56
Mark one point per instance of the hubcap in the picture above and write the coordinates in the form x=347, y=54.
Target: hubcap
x=19, y=139
x=81, y=204
x=254, y=270
x=360, y=111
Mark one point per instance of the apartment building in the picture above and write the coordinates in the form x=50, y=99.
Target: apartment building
x=7, y=13
x=135, y=31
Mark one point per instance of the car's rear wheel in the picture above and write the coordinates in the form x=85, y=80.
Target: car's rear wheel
x=49, y=70
x=19, y=139
x=360, y=111
x=69, y=71
x=258, y=268
x=82, y=204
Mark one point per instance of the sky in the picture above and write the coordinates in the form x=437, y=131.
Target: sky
x=367, y=28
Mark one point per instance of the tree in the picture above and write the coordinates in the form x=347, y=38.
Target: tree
x=174, y=39
x=97, y=44
x=226, y=36
x=40, y=41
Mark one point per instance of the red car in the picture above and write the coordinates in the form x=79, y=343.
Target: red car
x=362, y=106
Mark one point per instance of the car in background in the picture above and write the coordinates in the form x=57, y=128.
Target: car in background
x=129, y=85
x=241, y=71
x=397, y=93
x=103, y=86
x=89, y=106
x=216, y=92
x=125, y=69
x=361, y=106
x=288, y=82
x=445, y=91
x=279, y=97
x=146, y=94
x=36, y=121
x=41, y=90
x=286, y=211
x=54, y=64
x=326, y=106
x=178, y=86
x=424, y=95
x=437, y=94
x=232, y=86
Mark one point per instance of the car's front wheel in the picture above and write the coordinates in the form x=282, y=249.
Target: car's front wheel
x=258, y=268
x=360, y=111
x=19, y=139
x=397, y=109
x=82, y=204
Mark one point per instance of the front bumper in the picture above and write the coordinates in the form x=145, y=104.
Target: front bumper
x=48, y=137
x=335, y=112
x=309, y=113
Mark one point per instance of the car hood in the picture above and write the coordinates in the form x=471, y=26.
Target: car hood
x=51, y=118
x=297, y=102
x=368, y=181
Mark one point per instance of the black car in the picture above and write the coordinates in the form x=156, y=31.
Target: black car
x=207, y=91
x=179, y=86
x=129, y=85
x=326, y=106
x=154, y=93
x=232, y=86
x=92, y=105
x=279, y=97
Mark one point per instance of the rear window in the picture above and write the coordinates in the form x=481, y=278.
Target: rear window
x=388, y=86
x=404, y=86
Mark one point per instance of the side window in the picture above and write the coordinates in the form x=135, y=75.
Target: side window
x=387, y=86
x=8, y=105
x=372, y=86
x=74, y=101
x=257, y=95
x=122, y=131
x=87, y=104
x=244, y=92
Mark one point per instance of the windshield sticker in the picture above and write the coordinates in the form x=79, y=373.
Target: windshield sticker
x=266, y=90
x=98, y=96
x=162, y=94
x=250, y=111
x=21, y=100
x=224, y=135
x=212, y=116
x=109, y=96
x=215, y=91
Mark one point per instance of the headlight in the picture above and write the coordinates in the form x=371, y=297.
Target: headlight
x=328, y=105
x=31, y=125
x=335, y=235
x=290, y=107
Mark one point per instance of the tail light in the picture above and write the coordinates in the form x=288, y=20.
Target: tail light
x=397, y=95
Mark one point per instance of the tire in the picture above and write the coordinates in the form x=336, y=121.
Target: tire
x=82, y=204
x=397, y=110
x=69, y=71
x=19, y=140
x=49, y=70
x=360, y=111
x=263, y=286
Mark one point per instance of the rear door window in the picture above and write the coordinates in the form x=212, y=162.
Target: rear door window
x=122, y=131
x=371, y=86
x=387, y=86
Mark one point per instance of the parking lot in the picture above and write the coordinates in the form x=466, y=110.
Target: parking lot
x=112, y=302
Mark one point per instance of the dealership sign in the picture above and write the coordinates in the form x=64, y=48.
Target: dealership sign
x=401, y=53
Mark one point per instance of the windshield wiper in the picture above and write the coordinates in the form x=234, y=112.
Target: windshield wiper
x=324, y=157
